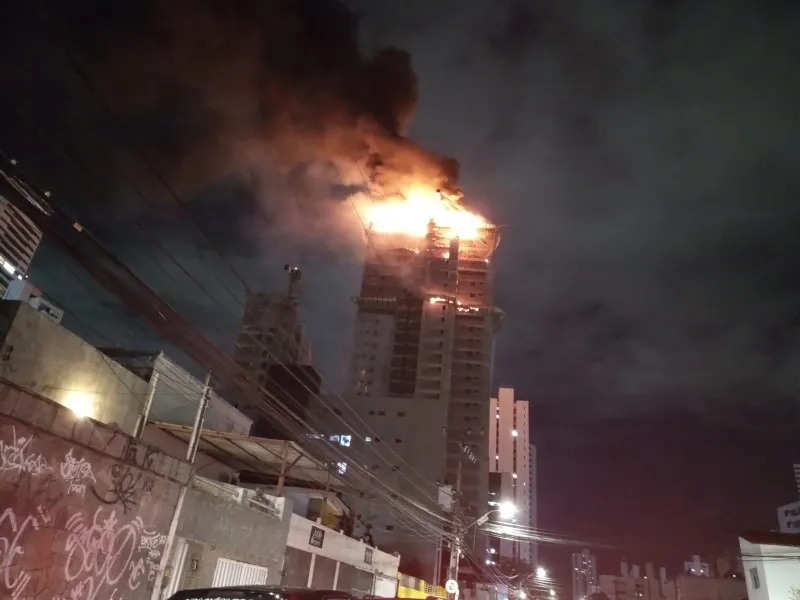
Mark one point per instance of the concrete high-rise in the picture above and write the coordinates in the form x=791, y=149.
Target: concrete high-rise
x=584, y=575
x=272, y=347
x=512, y=461
x=19, y=238
x=420, y=374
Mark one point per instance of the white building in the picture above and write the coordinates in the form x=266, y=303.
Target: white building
x=511, y=465
x=696, y=567
x=771, y=563
x=584, y=575
x=789, y=518
x=19, y=238
x=419, y=377
x=338, y=558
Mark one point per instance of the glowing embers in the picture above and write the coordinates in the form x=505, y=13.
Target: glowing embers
x=460, y=306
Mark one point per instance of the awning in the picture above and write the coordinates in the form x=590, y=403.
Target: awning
x=259, y=456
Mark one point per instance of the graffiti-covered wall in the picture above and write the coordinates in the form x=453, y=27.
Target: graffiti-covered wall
x=84, y=509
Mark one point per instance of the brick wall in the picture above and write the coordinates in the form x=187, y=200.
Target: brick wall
x=84, y=509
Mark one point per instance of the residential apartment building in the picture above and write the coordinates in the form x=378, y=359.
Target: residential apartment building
x=19, y=239
x=584, y=575
x=420, y=375
x=511, y=465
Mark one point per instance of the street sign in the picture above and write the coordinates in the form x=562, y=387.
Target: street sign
x=451, y=586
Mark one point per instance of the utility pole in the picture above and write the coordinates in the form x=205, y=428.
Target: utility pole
x=191, y=453
x=458, y=531
x=141, y=424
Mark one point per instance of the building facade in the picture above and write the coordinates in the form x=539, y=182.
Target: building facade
x=771, y=563
x=512, y=465
x=633, y=583
x=584, y=575
x=19, y=238
x=419, y=376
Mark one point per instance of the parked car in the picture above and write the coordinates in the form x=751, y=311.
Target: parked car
x=260, y=592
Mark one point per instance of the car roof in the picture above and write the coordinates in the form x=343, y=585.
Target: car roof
x=203, y=592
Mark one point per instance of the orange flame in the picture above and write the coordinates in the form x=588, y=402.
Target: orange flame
x=412, y=214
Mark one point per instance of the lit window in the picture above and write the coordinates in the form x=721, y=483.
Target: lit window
x=514, y=433
x=368, y=439
x=514, y=475
x=341, y=467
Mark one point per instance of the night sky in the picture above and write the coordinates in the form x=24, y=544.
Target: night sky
x=642, y=157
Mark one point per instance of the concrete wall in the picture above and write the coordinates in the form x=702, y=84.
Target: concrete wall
x=217, y=526
x=47, y=359
x=84, y=510
x=178, y=392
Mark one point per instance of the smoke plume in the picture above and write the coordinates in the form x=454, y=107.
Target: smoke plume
x=259, y=86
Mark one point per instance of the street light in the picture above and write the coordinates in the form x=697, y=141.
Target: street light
x=541, y=572
x=522, y=595
x=506, y=510
x=552, y=593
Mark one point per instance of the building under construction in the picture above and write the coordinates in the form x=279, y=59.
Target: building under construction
x=273, y=348
x=420, y=375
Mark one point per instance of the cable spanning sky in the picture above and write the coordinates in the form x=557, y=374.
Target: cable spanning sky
x=641, y=158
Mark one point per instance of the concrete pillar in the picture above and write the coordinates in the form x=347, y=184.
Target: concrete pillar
x=311, y=570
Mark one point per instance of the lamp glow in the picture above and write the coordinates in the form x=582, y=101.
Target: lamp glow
x=80, y=403
x=506, y=510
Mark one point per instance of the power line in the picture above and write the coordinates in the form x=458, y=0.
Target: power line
x=126, y=135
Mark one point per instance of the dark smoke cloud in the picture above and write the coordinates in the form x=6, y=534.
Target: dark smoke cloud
x=643, y=156
x=230, y=87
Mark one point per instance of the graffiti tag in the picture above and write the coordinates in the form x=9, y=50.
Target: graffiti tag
x=124, y=488
x=12, y=532
x=102, y=552
x=18, y=457
x=77, y=474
